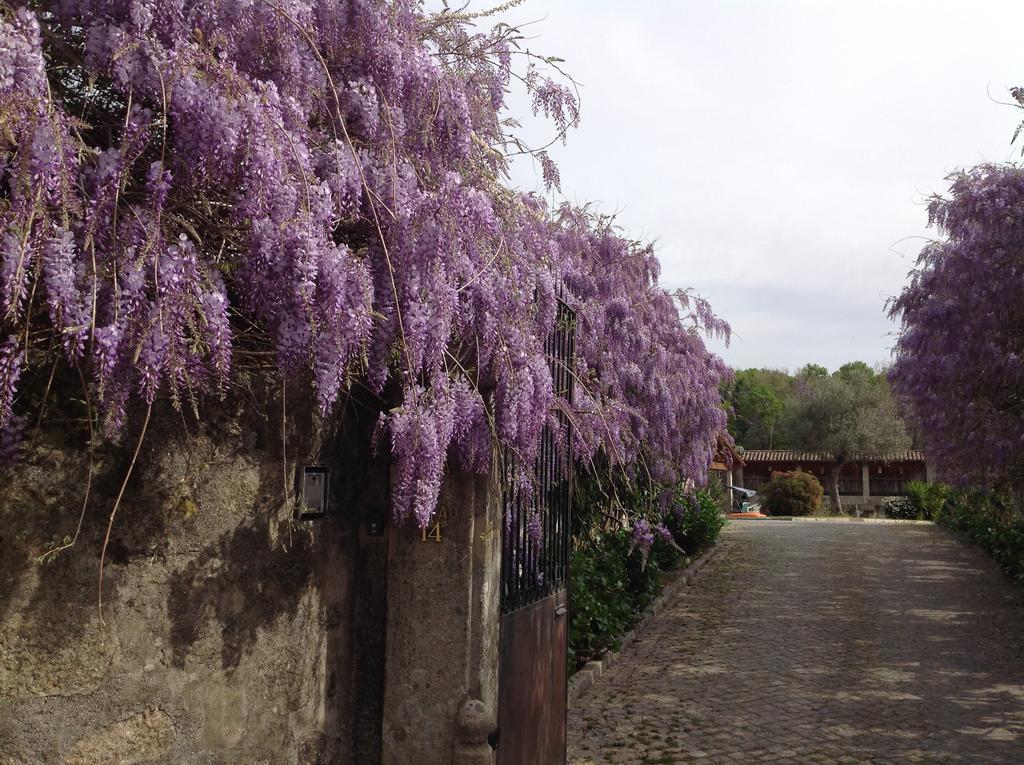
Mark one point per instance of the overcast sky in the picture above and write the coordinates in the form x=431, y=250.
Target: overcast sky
x=780, y=153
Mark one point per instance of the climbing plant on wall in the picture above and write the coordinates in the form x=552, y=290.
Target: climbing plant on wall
x=185, y=187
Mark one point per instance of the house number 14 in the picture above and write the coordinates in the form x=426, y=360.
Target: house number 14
x=434, y=532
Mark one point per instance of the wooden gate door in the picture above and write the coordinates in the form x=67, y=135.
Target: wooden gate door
x=534, y=578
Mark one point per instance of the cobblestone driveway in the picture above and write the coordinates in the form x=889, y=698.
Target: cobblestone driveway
x=813, y=642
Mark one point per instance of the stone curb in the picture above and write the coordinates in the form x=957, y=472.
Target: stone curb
x=804, y=519
x=585, y=678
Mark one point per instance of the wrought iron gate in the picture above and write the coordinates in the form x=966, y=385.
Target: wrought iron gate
x=535, y=551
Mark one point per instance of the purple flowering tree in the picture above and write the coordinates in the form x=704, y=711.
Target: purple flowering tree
x=186, y=186
x=959, y=367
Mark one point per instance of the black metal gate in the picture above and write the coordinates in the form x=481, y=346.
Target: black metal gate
x=536, y=534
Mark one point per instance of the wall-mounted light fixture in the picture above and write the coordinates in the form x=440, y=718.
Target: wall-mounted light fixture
x=315, y=492
x=375, y=522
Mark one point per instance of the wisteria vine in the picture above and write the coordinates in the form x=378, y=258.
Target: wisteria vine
x=185, y=184
x=959, y=366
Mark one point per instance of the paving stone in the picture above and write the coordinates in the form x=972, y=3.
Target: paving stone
x=820, y=643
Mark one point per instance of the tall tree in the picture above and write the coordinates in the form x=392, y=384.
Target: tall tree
x=757, y=401
x=757, y=405
x=849, y=412
x=959, y=368
x=811, y=372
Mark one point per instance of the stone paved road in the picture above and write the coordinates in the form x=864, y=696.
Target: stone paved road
x=813, y=642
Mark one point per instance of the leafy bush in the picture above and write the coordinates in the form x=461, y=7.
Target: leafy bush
x=720, y=495
x=792, y=493
x=985, y=518
x=923, y=501
x=696, y=522
x=927, y=498
x=665, y=556
x=616, y=569
x=611, y=584
x=900, y=508
x=601, y=608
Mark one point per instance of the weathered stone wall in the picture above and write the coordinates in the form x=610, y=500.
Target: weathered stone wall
x=441, y=693
x=228, y=630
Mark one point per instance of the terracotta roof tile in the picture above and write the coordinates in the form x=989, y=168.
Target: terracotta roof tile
x=782, y=455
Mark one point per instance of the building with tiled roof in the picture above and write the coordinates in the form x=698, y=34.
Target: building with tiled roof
x=864, y=481
x=769, y=455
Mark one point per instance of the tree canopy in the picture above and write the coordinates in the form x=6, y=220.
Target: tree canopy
x=850, y=412
x=959, y=367
x=757, y=400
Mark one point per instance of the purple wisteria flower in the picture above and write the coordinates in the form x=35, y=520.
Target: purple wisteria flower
x=347, y=219
x=642, y=536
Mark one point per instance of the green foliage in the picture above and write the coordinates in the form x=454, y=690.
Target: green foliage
x=812, y=372
x=923, y=502
x=927, y=498
x=719, y=494
x=900, y=508
x=600, y=606
x=665, y=556
x=986, y=519
x=757, y=401
x=611, y=578
x=605, y=496
x=610, y=585
x=792, y=493
x=696, y=522
x=851, y=410
x=858, y=373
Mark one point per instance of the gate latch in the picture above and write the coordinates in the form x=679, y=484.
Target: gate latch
x=560, y=611
x=493, y=736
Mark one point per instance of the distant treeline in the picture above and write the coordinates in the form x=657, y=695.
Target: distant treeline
x=776, y=409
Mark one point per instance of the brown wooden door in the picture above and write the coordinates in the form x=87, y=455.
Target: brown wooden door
x=532, y=683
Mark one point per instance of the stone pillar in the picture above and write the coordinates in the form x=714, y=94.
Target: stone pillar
x=738, y=477
x=441, y=684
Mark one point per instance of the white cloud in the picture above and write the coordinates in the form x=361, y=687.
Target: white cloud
x=780, y=151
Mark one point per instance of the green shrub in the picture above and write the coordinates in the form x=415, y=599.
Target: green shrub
x=900, y=508
x=696, y=522
x=610, y=584
x=719, y=494
x=792, y=493
x=927, y=498
x=601, y=607
x=985, y=518
x=665, y=556
x=611, y=581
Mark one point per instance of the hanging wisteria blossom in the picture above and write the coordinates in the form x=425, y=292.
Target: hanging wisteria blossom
x=323, y=178
x=959, y=367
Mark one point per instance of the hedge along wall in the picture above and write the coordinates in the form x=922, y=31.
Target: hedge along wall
x=230, y=634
